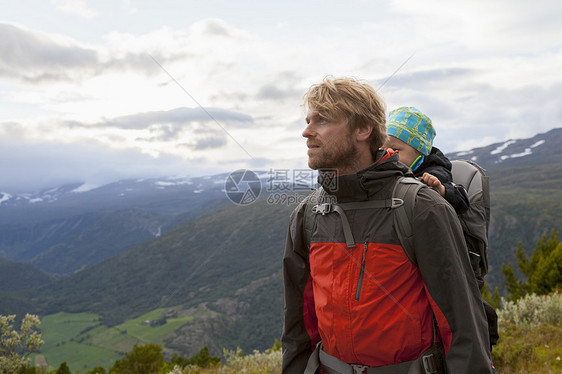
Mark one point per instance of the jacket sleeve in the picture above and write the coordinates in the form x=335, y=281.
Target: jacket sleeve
x=455, y=194
x=453, y=292
x=300, y=329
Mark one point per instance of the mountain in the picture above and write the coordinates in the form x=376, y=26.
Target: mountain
x=170, y=196
x=16, y=276
x=15, y=279
x=540, y=149
x=62, y=230
x=69, y=228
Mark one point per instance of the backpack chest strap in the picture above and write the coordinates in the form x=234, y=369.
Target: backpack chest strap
x=327, y=208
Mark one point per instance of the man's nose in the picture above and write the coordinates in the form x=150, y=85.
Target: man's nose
x=308, y=131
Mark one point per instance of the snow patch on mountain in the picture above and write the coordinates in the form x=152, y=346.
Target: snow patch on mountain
x=527, y=152
x=4, y=197
x=173, y=181
x=540, y=142
x=502, y=147
x=85, y=188
x=464, y=153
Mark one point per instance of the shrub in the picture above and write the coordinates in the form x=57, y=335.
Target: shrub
x=16, y=346
x=267, y=362
x=530, y=335
x=531, y=311
x=143, y=359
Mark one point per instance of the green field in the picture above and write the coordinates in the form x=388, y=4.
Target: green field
x=83, y=342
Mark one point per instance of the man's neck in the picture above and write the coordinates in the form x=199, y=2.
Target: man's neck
x=365, y=160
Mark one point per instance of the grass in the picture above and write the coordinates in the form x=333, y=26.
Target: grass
x=522, y=351
x=80, y=340
x=152, y=334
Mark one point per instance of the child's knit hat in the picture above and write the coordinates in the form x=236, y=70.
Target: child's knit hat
x=412, y=127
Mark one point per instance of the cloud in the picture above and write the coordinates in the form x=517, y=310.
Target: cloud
x=178, y=116
x=75, y=8
x=38, y=58
x=32, y=167
x=32, y=56
x=210, y=142
x=481, y=70
x=482, y=26
x=424, y=79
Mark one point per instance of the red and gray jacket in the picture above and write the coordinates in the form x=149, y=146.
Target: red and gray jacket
x=369, y=304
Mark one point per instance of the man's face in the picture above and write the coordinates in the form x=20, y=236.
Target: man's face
x=406, y=153
x=330, y=143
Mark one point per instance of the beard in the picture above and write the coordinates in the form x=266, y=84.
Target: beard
x=334, y=155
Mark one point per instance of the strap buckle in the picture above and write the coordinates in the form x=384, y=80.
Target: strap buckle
x=396, y=202
x=359, y=369
x=430, y=364
x=323, y=208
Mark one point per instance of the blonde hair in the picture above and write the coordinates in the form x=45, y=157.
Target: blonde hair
x=347, y=98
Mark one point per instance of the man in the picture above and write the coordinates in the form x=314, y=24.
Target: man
x=372, y=309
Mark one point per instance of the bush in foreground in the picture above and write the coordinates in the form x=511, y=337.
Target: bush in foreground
x=530, y=336
x=268, y=362
x=15, y=346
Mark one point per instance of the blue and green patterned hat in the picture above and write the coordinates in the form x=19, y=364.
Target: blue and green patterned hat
x=412, y=127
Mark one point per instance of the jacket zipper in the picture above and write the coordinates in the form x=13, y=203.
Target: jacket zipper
x=362, y=272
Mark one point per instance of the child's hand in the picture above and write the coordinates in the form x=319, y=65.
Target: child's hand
x=432, y=181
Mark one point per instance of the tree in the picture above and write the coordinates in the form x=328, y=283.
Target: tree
x=143, y=359
x=492, y=299
x=276, y=346
x=15, y=346
x=97, y=370
x=63, y=369
x=202, y=359
x=543, y=269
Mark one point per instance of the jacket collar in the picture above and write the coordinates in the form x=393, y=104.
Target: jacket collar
x=366, y=183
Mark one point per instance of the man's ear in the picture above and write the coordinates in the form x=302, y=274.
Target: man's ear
x=363, y=133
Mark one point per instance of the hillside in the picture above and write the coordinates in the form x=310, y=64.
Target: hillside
x=63, y=246
x=65, y=229
x=16, y=276
x=227, y=262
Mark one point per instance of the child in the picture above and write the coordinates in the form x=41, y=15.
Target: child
x=411, y=134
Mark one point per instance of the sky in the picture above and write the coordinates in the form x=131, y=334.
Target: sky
x=97, y=91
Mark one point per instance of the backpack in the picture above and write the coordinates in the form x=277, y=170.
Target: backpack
x=475, y=221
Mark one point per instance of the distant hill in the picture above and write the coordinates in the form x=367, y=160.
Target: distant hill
x=65, y=229
x=542, y=149
x=16, y=276
x=168, y=196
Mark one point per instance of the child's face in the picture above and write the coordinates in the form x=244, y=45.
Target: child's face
x=406, y=153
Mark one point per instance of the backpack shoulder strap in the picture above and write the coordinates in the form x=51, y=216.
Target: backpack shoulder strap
x=476, y=183
x=309, y=218
x=406, y=189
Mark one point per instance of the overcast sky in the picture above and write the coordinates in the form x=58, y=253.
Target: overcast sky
x=95, y=91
